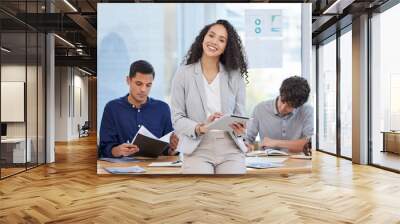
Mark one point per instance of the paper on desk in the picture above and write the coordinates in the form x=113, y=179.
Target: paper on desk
x=276, y=152
x=301, y=157
x=264, y=162
x=266, y=159
x=120, y=160
x=125, y=170
x=257, y=153
x=165, y=164
x=263, y=165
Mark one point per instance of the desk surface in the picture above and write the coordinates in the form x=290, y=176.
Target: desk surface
x=390, y=132
x=290, y=166
x=13, y=140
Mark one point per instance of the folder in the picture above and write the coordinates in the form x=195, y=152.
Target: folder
x=149, y=145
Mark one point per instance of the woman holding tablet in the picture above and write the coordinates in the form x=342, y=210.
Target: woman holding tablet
x=209, y=85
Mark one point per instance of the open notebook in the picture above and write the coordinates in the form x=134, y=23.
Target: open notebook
x=267, y=152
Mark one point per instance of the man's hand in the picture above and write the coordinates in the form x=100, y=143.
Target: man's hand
x=250, y=147
x=173, y=144
x=268, y=142
x=124, y=150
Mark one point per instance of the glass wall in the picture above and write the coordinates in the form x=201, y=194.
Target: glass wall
x=327, y=96
x=346, y=93
x=22, y=91
x=385, y=89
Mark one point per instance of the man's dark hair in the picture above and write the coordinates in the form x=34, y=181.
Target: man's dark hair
x=294, y=91
x=141, y=66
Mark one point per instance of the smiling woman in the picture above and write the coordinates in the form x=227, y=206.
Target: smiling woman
x=214, y=69
x=203, y=71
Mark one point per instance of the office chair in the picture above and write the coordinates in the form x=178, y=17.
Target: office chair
x=84, y=130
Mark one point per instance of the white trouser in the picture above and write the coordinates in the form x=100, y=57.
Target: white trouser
x=217, y=153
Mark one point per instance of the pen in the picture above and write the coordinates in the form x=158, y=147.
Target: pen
x=178, y=161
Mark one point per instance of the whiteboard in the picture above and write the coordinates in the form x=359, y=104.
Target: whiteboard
x=12, y=101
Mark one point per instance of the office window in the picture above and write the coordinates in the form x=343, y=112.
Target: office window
x=327, y=96
x=22, y=93
x=385, y=89
x=13, y=82
x=346, y=94
x=166, y=36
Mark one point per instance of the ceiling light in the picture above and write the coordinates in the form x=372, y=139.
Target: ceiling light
x=65, y=41
x=84, y=71
x=5, y=50
x=70, y=5
x=337, y=7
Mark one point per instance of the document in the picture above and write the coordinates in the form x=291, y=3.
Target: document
x=275, y=152
x=125, y=170
x=264, y=162
x=149, y=145
x=301, y=157
x=166, y=164
x=224, y=122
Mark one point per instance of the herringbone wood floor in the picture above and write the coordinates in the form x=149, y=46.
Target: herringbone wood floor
x=69, y=191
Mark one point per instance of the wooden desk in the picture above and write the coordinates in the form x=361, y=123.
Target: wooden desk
x=291, y=166
x=13, y=150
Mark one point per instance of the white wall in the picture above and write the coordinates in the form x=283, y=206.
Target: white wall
x=33, y=126
x=70, y=84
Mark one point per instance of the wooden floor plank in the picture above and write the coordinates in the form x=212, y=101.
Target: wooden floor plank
x=70, y=191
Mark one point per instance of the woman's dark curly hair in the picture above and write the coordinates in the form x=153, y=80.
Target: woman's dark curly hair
x=233, y=58
x=294, y=91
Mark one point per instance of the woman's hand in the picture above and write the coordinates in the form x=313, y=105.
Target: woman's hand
x=239, y=128
x=214, y=116
x=201, y=129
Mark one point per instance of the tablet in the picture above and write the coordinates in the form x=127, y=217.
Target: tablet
x=223, y=122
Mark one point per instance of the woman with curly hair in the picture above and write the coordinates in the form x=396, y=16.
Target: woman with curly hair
x=209, y=84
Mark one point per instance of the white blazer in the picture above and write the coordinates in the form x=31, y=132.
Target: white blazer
x=188, y=102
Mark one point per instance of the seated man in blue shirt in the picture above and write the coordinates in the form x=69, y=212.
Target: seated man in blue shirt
x=123, y=117
x=285, y=122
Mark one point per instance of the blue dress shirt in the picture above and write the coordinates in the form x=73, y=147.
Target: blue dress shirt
x=121, y=121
